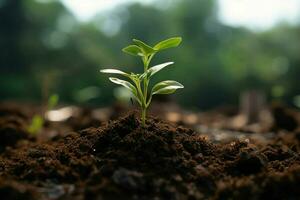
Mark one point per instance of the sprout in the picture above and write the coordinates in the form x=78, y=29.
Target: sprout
x=37, y=121
x=139, y=83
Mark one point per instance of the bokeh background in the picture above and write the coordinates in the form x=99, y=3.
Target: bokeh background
x=229, y=46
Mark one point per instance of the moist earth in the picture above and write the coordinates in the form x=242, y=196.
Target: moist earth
x=121, y=159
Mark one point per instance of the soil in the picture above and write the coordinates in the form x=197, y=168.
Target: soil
x=121, y=159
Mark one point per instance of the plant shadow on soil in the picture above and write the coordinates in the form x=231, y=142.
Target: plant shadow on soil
x=123, y=160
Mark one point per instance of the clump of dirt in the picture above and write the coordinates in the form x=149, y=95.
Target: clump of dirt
x=15, y=190
x=12, y=130
x=83, y=119
x=124, y=160
x=284, y=118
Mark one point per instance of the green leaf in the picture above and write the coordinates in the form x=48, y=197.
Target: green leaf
x=146, y=48
x=133, y=50
x=166, y=87
x=143, y=75
x=36, y=124
x=153, y=70
x=113, y=71
x=169, y=43
x=126, y=84
x=52, y=101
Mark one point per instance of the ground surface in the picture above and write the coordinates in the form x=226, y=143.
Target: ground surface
x=122, y=160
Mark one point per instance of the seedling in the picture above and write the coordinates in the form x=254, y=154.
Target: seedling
x=140, y=82
x=37, y=121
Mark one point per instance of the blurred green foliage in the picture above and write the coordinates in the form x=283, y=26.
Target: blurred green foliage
x=45, y=50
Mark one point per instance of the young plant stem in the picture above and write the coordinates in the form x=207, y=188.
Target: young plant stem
x=146, y=62
x=144, y=116
x=142, y=100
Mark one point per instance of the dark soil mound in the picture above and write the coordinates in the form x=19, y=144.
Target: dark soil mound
x=284, y=118
x=123, y=160
x=12, y=130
